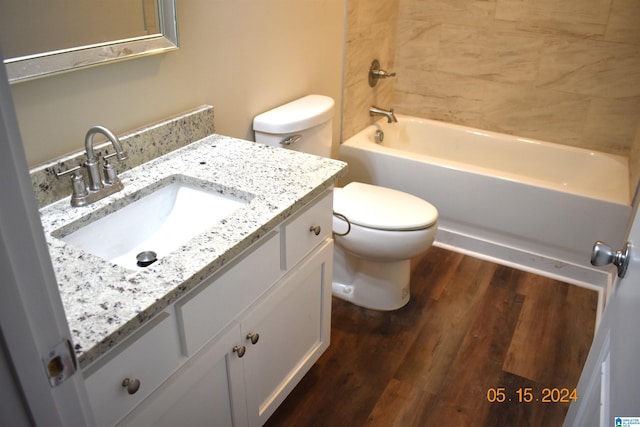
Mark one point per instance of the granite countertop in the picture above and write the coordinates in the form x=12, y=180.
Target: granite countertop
x=105, y=302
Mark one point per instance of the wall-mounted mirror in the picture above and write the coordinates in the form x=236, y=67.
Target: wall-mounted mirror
x=44, y=37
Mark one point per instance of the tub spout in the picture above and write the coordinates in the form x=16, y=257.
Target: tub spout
x=375, y=111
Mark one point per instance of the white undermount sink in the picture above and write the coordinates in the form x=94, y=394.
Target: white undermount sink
x=160, y=222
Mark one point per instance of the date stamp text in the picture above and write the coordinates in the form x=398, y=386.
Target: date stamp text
x=529, y=394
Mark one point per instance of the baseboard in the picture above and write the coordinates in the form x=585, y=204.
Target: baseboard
x=583, y=276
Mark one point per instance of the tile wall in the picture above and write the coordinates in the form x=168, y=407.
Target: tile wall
x=371, y=31
x=565, y=71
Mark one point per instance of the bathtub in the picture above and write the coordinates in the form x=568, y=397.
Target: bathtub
x=530, y=204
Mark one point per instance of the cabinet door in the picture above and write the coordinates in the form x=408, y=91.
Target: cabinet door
x=207, y=391
x=294, y=325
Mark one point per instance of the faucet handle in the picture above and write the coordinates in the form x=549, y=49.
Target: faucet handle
x=74, y=170
x=375, y=73
x=382, y=74
x=110, y=176
x=122, y=157
x=80, y=193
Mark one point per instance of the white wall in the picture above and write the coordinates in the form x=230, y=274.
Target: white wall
x=243, y=57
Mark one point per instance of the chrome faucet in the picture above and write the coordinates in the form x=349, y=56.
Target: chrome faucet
x=98, y=187
x=375, y=111
x=95, y=183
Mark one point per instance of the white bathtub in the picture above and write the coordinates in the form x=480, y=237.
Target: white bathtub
x=531, y=204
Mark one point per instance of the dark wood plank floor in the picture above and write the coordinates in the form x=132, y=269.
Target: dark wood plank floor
x=471, y=325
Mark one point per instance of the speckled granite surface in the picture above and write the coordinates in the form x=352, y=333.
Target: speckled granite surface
x=141, y=145
x=105, y=302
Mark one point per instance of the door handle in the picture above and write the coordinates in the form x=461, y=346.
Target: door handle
x=602, y=254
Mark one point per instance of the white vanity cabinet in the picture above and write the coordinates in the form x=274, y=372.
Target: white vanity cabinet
x=246, y=336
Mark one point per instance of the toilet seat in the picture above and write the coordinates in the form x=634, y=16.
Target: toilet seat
x=383, y=208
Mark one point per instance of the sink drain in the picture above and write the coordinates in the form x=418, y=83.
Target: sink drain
x=146, y=258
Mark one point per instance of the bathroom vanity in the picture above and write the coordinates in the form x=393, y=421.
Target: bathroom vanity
x=219, y=331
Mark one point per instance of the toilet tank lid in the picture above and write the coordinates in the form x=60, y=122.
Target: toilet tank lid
x=303, y=113
x=383, y=208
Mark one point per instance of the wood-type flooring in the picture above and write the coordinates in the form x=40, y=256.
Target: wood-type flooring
x=472, y=331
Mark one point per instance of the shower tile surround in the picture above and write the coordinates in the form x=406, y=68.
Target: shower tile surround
x=371, y=34
x=560, y=71
x=104, y=302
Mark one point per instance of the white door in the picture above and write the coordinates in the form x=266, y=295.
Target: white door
x=33, y=324
x=609, y=388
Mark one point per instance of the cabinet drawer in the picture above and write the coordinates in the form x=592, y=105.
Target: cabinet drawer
x=205, y=312
x=150, y=356
x=299, y=233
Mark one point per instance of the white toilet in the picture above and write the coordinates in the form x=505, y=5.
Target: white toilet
x=383, y=228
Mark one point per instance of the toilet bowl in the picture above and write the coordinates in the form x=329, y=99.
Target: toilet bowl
x=377, y=230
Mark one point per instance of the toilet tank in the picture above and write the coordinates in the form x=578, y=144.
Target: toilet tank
x=309, y=117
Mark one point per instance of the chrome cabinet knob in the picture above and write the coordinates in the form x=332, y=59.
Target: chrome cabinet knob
x=602, y=254
x=315, y=229
x=253, y=337
x=132, y=385
x=239, y=350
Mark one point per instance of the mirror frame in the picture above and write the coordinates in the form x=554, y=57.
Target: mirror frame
x=31, y=67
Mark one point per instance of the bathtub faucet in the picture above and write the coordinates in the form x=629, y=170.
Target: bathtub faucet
x=375, y=111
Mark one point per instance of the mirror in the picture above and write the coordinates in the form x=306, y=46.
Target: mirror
x=74, y=34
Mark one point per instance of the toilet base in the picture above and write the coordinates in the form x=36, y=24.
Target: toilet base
x=378, y=285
